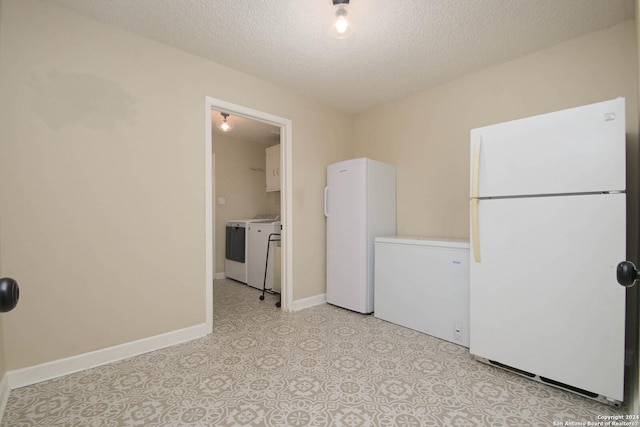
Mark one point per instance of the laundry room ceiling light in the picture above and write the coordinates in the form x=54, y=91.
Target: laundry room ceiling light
x=224, y=126
x=341, y=27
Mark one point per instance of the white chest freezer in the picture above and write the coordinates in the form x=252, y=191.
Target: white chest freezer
x=422, y=283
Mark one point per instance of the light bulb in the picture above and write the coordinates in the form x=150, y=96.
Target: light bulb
x=341, y=24
x=341, y=27
x=224, y=126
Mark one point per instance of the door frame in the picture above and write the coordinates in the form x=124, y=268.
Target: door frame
x=286, y=205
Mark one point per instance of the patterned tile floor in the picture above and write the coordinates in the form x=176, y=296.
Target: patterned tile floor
x=323, y=366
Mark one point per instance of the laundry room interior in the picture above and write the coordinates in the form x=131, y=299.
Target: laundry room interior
x=246, y=159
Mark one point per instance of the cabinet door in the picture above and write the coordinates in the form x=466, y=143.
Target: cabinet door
x=273, y=168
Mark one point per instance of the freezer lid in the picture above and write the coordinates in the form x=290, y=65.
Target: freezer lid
x=578, y=150
x=442, y=242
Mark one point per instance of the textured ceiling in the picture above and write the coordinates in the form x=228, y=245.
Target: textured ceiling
x=397, y=47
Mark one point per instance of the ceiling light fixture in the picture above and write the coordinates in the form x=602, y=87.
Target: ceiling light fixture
x=341, y=27
x=224, y=126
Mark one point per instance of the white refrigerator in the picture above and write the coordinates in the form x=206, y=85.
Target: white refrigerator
x=547, y=231
x=360, y=205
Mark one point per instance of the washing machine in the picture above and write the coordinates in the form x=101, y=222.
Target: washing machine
x=236, y=265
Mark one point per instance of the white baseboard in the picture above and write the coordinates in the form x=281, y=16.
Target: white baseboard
x=46, y=371
x=4, y=394
x=219, y=276
x=301, y=304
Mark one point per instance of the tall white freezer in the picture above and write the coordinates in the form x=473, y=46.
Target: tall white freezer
x=360, y=205
x=548, y=227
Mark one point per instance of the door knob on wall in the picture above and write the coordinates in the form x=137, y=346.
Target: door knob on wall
x=9, y=294
x=626, y=273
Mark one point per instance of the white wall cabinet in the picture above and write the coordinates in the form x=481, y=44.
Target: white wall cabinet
x=273, y=168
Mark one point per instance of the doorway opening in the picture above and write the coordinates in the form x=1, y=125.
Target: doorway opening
x=286, y=206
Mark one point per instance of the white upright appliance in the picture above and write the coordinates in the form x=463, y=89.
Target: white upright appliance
x=547, y=231
x=263, y=236
x=360, y=205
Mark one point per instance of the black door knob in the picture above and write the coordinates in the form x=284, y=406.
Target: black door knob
x=626, y=273
x=9, y=294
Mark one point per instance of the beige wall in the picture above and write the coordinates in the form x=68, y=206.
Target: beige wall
x=240, y=178
x=427, y=135
x=102, y=181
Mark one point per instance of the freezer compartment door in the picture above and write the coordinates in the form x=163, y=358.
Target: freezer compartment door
x=544, y=297
x=571, y=151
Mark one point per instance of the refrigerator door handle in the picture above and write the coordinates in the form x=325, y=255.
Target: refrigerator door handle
x=326, y=211
x=475, y=183
x=475, y=235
